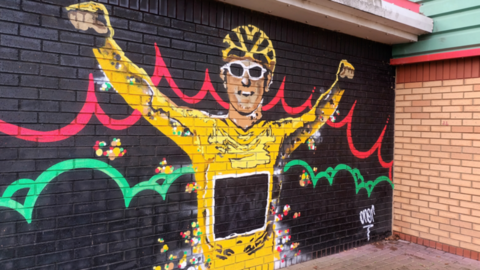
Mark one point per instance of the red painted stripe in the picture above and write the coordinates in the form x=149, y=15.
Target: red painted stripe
x=406, y=4
x=90, y=107
x=435, y=57
x=359, y=154
x=281, y=97
x=161, y=71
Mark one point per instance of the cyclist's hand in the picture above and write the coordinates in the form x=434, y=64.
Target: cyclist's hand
x=346, y=70
x=86, y=16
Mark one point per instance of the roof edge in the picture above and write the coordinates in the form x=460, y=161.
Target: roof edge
x=374, y=20
x=415, y=7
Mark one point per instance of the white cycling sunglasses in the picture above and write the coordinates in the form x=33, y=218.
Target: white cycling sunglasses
x=237, y=69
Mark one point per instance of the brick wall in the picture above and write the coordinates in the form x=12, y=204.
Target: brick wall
x=95, y=173
x=437, y=194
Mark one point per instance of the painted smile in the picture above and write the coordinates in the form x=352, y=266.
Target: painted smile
x=245, y=99
x=245, y=94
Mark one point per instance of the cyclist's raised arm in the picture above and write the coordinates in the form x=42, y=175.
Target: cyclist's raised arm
x=298, y=130
x=129, y=80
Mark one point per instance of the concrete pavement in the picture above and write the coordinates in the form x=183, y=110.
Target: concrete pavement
x=390, y=255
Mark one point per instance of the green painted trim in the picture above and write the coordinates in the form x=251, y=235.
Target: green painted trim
x=35, y=187
x=437, y=43
x=330, y=173
x=456, y=27
x=440, y=7
x=457, y=21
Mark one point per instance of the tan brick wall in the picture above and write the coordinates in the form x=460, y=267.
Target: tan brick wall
x=437, y=161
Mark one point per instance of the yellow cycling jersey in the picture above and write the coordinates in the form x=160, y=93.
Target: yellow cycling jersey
x=234, y=166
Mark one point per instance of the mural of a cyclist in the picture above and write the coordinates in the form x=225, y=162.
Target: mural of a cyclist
x=234, y=154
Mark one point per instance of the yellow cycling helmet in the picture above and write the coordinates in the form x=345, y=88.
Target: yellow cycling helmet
x=250, y=42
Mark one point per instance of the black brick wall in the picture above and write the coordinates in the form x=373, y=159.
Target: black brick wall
x=80, y=220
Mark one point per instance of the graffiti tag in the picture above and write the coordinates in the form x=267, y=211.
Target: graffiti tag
x=367, y=217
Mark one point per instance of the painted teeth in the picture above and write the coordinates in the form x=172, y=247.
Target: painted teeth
x=245, y=94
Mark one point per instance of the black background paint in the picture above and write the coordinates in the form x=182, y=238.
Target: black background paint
x=80, y=221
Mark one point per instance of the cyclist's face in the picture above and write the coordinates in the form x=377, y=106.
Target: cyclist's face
x=246, y=82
